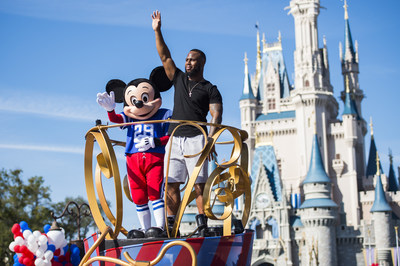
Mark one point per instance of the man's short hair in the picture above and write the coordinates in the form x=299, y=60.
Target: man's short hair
x=202, y=54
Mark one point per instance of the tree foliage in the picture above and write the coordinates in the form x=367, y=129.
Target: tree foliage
x=21, y=201
x=70, y=209
x=29, y=200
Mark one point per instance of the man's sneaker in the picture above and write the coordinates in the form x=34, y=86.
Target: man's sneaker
x=135, y=234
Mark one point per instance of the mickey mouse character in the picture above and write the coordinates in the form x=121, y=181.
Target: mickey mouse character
x=145, y=145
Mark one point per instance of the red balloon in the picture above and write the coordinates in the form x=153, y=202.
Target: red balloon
x=21, y=259
x=26, y=261
x=18, y=234
x=16, y=228
x=56, y=263
x=23, y=249
x=68, y=264
x=17, y=249
x=57, y=252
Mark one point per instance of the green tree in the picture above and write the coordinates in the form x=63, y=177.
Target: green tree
x=70, y=209
x=21, y=201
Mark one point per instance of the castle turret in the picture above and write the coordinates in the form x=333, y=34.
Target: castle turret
x=381, y=216
x=248, y=104
x=349, y=61
x=392, y=180
x=319, y=212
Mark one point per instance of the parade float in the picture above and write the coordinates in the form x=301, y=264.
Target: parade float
x=229, y=245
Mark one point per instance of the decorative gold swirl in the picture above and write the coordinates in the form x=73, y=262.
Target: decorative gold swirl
x=233, y=173
x=86, y=261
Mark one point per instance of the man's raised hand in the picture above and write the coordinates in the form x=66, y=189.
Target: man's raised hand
x=156, y=16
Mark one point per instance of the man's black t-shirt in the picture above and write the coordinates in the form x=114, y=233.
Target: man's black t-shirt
x=194, y=108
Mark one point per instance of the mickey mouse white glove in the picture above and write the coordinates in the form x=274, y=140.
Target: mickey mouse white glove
x=145, y=144
x=106, y=101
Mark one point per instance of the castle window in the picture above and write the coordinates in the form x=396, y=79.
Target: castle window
x=306, y=83
x=337, y=156
x=270, y=87
x=271, y=104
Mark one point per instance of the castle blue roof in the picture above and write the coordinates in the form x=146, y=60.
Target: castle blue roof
x=380, y=202
x=276, y=115
x=264, y=156
x=393, y=185
x=295, y=221
x=260, y=88
x=275, y=57
x=316, y=203
x=371, y=165
x=350, y=106
x=247, y=91
x=349, y=54
x=316, y=172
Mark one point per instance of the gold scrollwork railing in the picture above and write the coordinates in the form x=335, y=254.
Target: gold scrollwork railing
x=230, y=178
x=86, y=261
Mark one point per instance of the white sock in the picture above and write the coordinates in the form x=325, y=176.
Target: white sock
x=158, y=210
x=143, y=213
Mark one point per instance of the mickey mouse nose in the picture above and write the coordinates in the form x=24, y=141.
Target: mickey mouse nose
x=139, y=104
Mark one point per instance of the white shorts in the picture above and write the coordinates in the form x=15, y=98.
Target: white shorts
x=179, y=166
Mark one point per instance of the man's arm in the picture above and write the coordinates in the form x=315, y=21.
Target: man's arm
x=162, y=48
x=216, y=118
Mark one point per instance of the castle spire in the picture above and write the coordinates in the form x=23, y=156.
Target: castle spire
x=393, y=185
x=380, y=202
x=247, y=90
x=349, y=54
x=349, y=104
x=258, y=61
x=316, y=171
x=371, y=165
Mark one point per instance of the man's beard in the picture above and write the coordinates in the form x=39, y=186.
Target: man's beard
x=193, y=72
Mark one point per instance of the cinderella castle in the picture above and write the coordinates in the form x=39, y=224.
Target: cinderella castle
x=316, y=199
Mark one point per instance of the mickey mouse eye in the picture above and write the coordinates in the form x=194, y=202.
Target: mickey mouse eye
x=145, y=97
x=133, y=100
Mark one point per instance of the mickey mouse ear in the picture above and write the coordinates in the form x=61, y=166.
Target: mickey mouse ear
x=117, y=86
x=160, y=79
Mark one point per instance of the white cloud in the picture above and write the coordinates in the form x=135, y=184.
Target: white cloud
x=65, y=107
x=178, y=14
x=65, y=149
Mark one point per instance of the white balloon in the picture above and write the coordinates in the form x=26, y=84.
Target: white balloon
x=33, y=247
x=30, y=239
x=43, y=247
x=56, y=237
x=19, y=240
x=47, y=263
x=39, y=262
x=12, y=245
x=37, y=233
x=27, y=233
x=42, y=240
x=39, y=253
x=48, y=255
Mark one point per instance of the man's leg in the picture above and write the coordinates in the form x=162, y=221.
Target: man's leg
x=173, y=198
x=199, y=188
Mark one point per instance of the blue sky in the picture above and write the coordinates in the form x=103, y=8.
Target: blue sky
x=56, y=55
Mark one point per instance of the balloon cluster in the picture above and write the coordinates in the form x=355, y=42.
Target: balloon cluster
x=42, y=249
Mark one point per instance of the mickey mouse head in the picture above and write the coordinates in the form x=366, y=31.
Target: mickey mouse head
x=141, y=97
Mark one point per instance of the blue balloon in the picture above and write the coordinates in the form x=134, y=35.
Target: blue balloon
x=65, y=248
x=15, y=257
x=51, y=247
x=46, y=228
x=24, y=226
x=75, y=250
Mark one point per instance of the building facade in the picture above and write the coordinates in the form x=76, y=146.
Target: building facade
x=317, y=201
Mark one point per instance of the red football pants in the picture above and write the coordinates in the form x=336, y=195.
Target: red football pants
x=145, y=176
